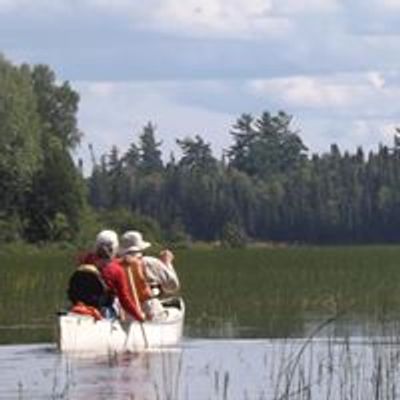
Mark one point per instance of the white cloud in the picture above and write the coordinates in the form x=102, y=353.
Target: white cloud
x=352, y=110
x=136, y=10
x=304, y=91
x=206, y=18
x=306, y=6
x=371, y=133
x=361, y=130
x=391, y=4
x=310, y=92
x=37, y=8
x=319, y=133
x=388, y=130
x=121, y=4
x=309, y=44
x=114, y=114
x=340, y=109
x=376, y=79
x=102, y=89
x=6, y=5
x=343, y=97
x=199, y=18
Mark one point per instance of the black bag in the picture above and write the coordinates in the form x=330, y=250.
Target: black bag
x=87, y=286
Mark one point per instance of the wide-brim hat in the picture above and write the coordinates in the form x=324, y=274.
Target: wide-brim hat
x=132, y=241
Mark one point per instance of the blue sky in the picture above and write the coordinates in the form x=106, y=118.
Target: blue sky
x=193, y=67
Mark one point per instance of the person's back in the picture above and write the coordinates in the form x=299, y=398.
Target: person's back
x=116, y=279
x=161, y=275
x=142, y=287
x=151, y=277
x=87, y=286
x=112, y=273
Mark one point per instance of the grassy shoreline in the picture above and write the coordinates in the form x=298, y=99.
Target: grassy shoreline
x=265, y=292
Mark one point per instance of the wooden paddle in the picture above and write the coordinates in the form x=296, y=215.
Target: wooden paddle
x=136, y=297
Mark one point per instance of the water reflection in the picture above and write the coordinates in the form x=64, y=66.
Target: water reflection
x=40, y=372
x=356, y=368
x=279, y=326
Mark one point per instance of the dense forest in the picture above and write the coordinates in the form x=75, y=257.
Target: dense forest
x=42, y=194
x=265, y=187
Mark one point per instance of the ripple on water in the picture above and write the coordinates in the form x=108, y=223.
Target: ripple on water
x=202, y=369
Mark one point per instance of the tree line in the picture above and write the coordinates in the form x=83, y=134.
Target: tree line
x=266, y=186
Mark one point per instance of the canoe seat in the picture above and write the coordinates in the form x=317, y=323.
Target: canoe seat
x=175, y=302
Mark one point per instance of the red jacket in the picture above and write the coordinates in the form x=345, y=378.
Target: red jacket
x=117, y=281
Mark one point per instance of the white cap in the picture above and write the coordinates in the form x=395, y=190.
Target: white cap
x=132, y=241
x=109, y=239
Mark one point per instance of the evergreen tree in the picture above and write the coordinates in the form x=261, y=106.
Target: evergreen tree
x=196, y=154
x=150, y=153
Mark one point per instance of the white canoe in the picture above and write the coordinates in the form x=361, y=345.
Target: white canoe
x=81, y=333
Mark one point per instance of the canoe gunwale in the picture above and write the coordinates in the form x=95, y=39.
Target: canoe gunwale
x=82, y=332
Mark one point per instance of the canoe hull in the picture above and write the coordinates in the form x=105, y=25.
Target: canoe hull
x=78, y=333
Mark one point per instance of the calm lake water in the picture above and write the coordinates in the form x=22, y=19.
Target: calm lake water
x=298, y=323
x=209, y=369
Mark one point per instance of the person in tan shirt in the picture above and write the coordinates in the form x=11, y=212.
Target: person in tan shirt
x=131, y=253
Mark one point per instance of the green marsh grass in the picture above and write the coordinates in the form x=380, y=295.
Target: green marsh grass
x=250, y=292
x=274, y=289
x=32, y=290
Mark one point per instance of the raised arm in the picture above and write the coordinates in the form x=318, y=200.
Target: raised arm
x=161, y=272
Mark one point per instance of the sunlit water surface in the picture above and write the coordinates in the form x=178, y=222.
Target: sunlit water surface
x=355, y=368
x=261, y=317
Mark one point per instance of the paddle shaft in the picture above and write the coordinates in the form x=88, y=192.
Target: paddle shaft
x=136, y=297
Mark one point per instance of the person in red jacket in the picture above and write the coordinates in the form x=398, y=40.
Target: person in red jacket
x=112, y=272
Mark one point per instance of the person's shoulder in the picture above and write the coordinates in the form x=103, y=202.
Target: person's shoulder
x=152, y=261
x=115, y=264
x=86, y=258
x=113, y=267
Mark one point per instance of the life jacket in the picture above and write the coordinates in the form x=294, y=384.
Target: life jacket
x=88, y=287
x=142, y=287
x=84, y=309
